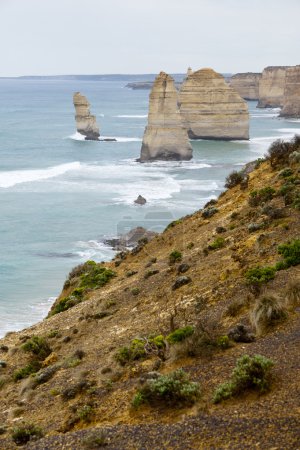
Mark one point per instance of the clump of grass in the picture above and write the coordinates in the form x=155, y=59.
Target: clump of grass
x=251, y=372
x=267, y=312
x=218, y=243
x=150, y=273
x=261, y=196
x=175, y=256
x=86, y=413
x=180, y=334
x=25, y=433
x=172, y=389
x=135, y=291
x=96, y=439
x=292, y=294
x=38, y=346
x=233, y=179
x=24, y=372
x=290, y=253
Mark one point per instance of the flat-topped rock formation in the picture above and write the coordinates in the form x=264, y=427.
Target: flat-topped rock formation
x=246, y=84
x=211, y=109
x=291, y=99
x=271, y=87
x=165, y=138
x=85, y=121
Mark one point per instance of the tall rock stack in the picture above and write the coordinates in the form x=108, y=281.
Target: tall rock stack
x=211, y=109
x=246, y=84
x=85, y=122
x=165, y=138
x=271, y=87
x=291, y=99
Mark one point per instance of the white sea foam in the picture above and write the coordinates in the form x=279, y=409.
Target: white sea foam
x=77, y=136
x=132, y=116
x=13, y=177
x=94, y=249
x=289, y=130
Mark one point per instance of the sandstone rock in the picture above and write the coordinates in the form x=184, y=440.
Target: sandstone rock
x=140, y=200
x=271, y=87
x=165, y=138
x=85, y=122
x=246, y=84
x=211, y=109
x=291, y=100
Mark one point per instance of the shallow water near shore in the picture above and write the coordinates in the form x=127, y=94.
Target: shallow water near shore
x=60, y=196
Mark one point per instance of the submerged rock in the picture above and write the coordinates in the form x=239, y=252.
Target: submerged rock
x=271, y=87
x=85, y=122
x=211, y=109
x=246, y=84
x=291, y=98
x=140, y=200
x=165, y=138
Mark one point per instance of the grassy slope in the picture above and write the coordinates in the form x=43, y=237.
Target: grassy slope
x=250, y=421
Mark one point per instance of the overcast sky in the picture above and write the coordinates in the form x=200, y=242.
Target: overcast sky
x=48, y=37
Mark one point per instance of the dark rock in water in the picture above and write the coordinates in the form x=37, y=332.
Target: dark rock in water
x=133, y=238
x=181, y=281
x=182, y=268
x=140, y=200
x=241, y=333
x=108, y=140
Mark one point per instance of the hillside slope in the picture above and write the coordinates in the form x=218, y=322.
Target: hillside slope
x=75, y=374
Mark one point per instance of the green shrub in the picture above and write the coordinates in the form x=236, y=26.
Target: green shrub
x=135, y=291
x=96, y=277
x=251, y=372
x=259, y=275
x=279, y=152
x=290, y=253
x=180, y=334
x=219, y=242
x=38, y=346
x=64, y=304
x=140, y=348
x=261, y=196
x=86, y=413
x=24, y=372
x=223, y=342
x=150, y=273
x=175, y=256
x=190, y=245
x=268, y=311
x=24, y=433
x=287, y=172
x=233, y=179
x=209, y=212
x=172, y=389
x=173, y=224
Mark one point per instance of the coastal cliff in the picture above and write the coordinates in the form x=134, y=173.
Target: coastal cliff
x=291, y=99
x=246, y=84
x=165, y=138
x=189, y=341
x=211, y=109
x=271, y=87
x=85, y=122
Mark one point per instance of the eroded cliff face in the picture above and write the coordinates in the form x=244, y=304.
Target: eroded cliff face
x=246, y=84
x=85, y=121
x=291, y=100
x=211, y=109
x=271, y=87
x=165, y=138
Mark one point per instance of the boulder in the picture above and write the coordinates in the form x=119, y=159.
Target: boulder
x=165, y=138
x=140, y=200
x=291, y=98
x=246, y=84
x=181, y=281
x=211, y=109
x=241, y=333
x=271, y=87
x=85, y=122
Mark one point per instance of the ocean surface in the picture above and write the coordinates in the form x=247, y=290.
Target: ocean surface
x=60, y=196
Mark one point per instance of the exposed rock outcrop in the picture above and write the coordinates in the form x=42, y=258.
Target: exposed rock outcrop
x=291, y=100
x=165, y=138
x=140, y=200
x=246, y=84
x=85, y=122
x=271, y=87
x=130, y=239
x=211, y=109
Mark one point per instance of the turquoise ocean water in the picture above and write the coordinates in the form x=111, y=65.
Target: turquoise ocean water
x=59, y=196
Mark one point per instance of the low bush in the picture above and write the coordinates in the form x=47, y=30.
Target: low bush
x=233, y=179
x=290, y=253
x=180, y=334
x=25, y=433
x=218, y=243
x=287, y=172
x=96, y=276
x=24, y=372
x=140, y=348
x=86, y=413
x=251, y=372
x=173, y=224
x=38, y=346
x=209, y=212
x=259, y=275
x=279, y=152
x=150, y=273
x=267, y=312
x=135, y=291
x=260, y=196
x=172, y=389
x=175, y=256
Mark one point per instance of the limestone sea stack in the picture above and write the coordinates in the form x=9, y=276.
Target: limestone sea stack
x=85, y=121
x=246, y=84
x=271, y=87
x=291, y=99
x=165, y=138
x=211, y=109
